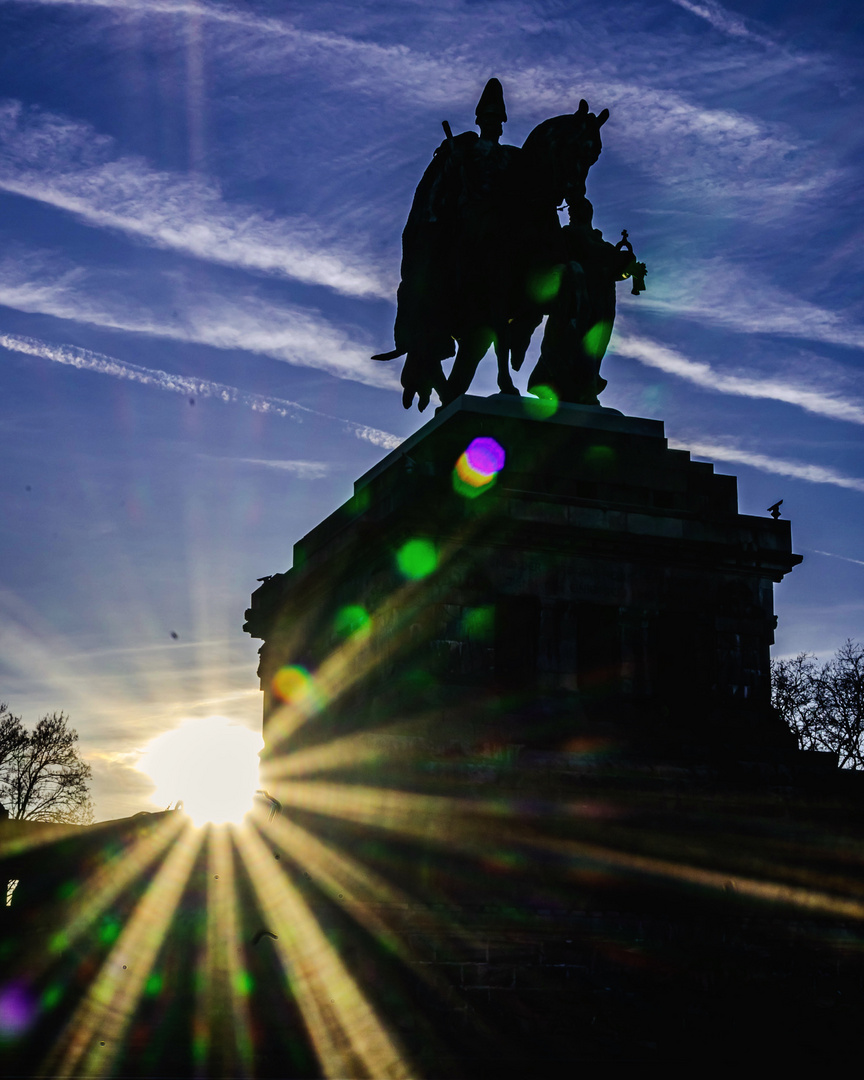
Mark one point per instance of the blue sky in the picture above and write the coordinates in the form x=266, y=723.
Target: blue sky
x=200, y=216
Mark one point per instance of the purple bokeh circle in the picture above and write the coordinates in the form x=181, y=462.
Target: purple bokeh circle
x=485, y=455
x=16, y=1010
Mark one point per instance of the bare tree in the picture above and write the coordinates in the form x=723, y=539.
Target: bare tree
x=824, y=706
x=12, y=732
x=42, y=774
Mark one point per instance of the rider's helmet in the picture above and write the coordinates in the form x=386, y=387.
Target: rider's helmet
x=491, y=103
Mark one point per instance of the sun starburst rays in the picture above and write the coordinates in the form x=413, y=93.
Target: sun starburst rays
x=350, y=1040
x=94, y=1036
x=302, y=874
x=476, y=827
x=353, y=661
x=371, y=839
x=107, y=882
x=360, y=890
x=222, y=1039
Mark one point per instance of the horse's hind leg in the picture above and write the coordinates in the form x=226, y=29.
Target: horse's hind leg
x=502, y=353
x=472, y=348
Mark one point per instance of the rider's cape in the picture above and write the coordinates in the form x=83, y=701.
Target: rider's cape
x=454, y=243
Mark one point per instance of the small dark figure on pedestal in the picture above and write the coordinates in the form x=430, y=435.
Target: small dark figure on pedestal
x=580, y=321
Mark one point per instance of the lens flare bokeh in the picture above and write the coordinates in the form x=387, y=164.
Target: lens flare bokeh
x=543, y=404
x=596, y=340
x=17, y=1011
x=477, y=468
x=294, y=685
x=353, y=620
x=417, y=559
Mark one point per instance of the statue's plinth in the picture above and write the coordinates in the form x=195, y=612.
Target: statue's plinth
x=603, y=582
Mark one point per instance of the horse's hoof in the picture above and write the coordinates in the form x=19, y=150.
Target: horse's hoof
x=511, y=390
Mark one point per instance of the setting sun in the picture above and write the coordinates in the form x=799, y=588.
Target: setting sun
x=211, y=764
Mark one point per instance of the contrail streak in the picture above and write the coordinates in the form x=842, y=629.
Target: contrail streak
x=85, y=360
x=834, y=555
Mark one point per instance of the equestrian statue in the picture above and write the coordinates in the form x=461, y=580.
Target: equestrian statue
x=484, y=258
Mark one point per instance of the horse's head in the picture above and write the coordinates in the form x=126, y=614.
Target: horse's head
x=559, y=152
x=585, y=136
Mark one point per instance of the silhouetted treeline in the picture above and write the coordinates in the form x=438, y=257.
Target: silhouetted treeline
x=824, y=704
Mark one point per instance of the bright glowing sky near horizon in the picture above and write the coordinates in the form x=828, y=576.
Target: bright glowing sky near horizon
x=202, y=202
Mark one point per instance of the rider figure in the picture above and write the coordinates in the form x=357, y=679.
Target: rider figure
x=455, y=254
x=484, y=173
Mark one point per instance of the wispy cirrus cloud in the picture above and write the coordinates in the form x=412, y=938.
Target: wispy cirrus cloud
x=726, y=450
x=303, y=470
x=702, y=374
x=740, y=298
x=67, y=164
x=30, y=281
x=738, y=162
x=727, y=22
x=199, y=9
x=85, y=360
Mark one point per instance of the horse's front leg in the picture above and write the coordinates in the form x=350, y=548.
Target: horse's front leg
x=473, y=346
x=520, y=331
x=502, y=353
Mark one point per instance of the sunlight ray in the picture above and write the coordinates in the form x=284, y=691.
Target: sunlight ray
x=39, y=834
x=777, y=892
x=344, y=751
x=356, y=886
x=32, y=645
x=355, y=659
x=222, y=1028
x=429, y=817
x=348, y=1037
x=93, y=1037
x=104, y=885
x=465, y=825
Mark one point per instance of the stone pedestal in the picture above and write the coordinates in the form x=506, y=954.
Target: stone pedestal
x=600, y=585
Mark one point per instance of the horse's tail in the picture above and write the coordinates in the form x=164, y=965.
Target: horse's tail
x=394, y=355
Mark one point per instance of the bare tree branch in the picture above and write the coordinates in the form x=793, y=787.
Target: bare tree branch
x=42, y=774
x=824, y=706
x=12, y=733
